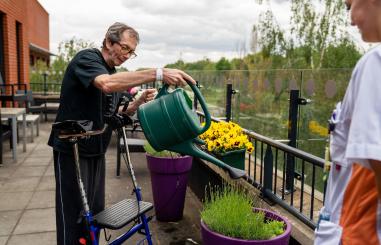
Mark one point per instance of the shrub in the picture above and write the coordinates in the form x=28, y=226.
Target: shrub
x=151, y=151
x=229, y=211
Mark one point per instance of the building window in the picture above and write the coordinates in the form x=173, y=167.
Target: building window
x=19, y=51
x=31, y=58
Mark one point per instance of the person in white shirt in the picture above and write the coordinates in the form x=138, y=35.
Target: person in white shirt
x=352, y=210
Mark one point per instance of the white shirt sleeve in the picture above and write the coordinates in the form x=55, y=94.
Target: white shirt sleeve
x=364, y=138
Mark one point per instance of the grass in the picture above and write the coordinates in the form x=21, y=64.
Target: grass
x=151, y=151
x=229, y=211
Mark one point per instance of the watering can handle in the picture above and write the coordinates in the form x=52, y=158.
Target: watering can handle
x=196, y=91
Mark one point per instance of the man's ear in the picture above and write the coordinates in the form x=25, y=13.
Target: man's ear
x=108, y=43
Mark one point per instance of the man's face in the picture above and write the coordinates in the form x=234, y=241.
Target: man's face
x=365, y=15
x=121, y=51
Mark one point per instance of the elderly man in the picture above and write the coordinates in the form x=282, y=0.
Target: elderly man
x=89, y=78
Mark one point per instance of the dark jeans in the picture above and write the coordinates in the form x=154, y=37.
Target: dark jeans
x=69, y=225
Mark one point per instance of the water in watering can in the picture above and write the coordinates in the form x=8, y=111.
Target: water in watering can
x=169, y=123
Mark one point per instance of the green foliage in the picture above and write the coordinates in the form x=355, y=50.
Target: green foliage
x=315, y=27
x=151, y=151
x=69, y=48
x=204, y=64
x=223, y=64
x=343, y=55
x=66, y=51
x=229, y=211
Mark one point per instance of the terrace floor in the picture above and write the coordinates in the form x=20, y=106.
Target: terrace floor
x=27, y=190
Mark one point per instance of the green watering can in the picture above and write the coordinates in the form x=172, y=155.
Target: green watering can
x=169, y=123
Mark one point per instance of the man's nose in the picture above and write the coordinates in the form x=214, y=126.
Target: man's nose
x=126, y=56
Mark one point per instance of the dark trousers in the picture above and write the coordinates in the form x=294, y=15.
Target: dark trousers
x=70, y=226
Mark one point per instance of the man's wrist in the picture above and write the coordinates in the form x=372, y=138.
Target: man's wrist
x=159, y=74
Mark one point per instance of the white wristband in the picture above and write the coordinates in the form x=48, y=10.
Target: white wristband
x=159, y=75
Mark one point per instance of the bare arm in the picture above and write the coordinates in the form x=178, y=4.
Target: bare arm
x=376, y=166
x=124, y=80
x=146, y=96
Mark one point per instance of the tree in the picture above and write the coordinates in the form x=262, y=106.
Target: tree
x=66, y=51
x=223, y=64
x=315, y=26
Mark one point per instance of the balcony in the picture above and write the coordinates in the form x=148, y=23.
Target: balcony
x=27, y=188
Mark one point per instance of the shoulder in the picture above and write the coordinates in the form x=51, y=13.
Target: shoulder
x=91, y=53
x=371, y=59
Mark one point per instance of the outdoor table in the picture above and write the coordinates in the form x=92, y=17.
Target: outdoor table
x=13, y=113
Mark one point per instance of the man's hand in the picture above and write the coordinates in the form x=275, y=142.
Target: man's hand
x=176, y=77
x=147, y=95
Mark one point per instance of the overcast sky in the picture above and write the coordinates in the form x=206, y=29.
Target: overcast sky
x=169, y=29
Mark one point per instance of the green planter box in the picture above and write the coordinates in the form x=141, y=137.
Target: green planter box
x=235, y=158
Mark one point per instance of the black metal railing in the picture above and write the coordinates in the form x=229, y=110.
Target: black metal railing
x=266, y=170
x=45, y=88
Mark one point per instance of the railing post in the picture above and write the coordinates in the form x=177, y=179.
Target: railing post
x=292, y=134
x=228, y=108
x=268, y=172
x=295, y=101
x=45, y=74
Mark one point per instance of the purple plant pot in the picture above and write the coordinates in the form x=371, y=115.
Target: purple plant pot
x=169, y=177
x=210, y=237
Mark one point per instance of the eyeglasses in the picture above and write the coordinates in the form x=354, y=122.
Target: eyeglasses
x=127, y=50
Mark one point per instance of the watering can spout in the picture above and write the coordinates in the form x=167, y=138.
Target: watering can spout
x=188, y=147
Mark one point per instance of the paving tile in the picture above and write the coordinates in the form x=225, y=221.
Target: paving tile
x=7, y=170
x=47, y=183
x=50, y=170
x=29, y=171
x=8, y=220
x=36, y=220
x=37, y=161
x=14, y=200
x=46, y=238
x=3, y=240
x=42, y=199
x=20, y=184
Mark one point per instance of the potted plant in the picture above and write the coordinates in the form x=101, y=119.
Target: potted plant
x=227, y=142
x=228, y=217
x=169, y=178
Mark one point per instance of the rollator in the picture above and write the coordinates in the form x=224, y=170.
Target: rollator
x=120, y=214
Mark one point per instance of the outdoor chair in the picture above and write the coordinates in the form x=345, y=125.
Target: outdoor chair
x=50, y=107
x=30, y=104
x=134, y=144
x=9, y=92
x=32, y=120
x=5, y=134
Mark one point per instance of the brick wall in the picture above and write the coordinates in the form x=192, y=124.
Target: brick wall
x=38, y=24
x=34, y=29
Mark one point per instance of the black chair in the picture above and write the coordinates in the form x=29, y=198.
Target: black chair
x=5, y=134
x=134, y=144
x=8, y=92
x=30, y=104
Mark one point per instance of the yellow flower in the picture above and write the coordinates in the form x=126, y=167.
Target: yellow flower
x=316, y=128
x=226, y=136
